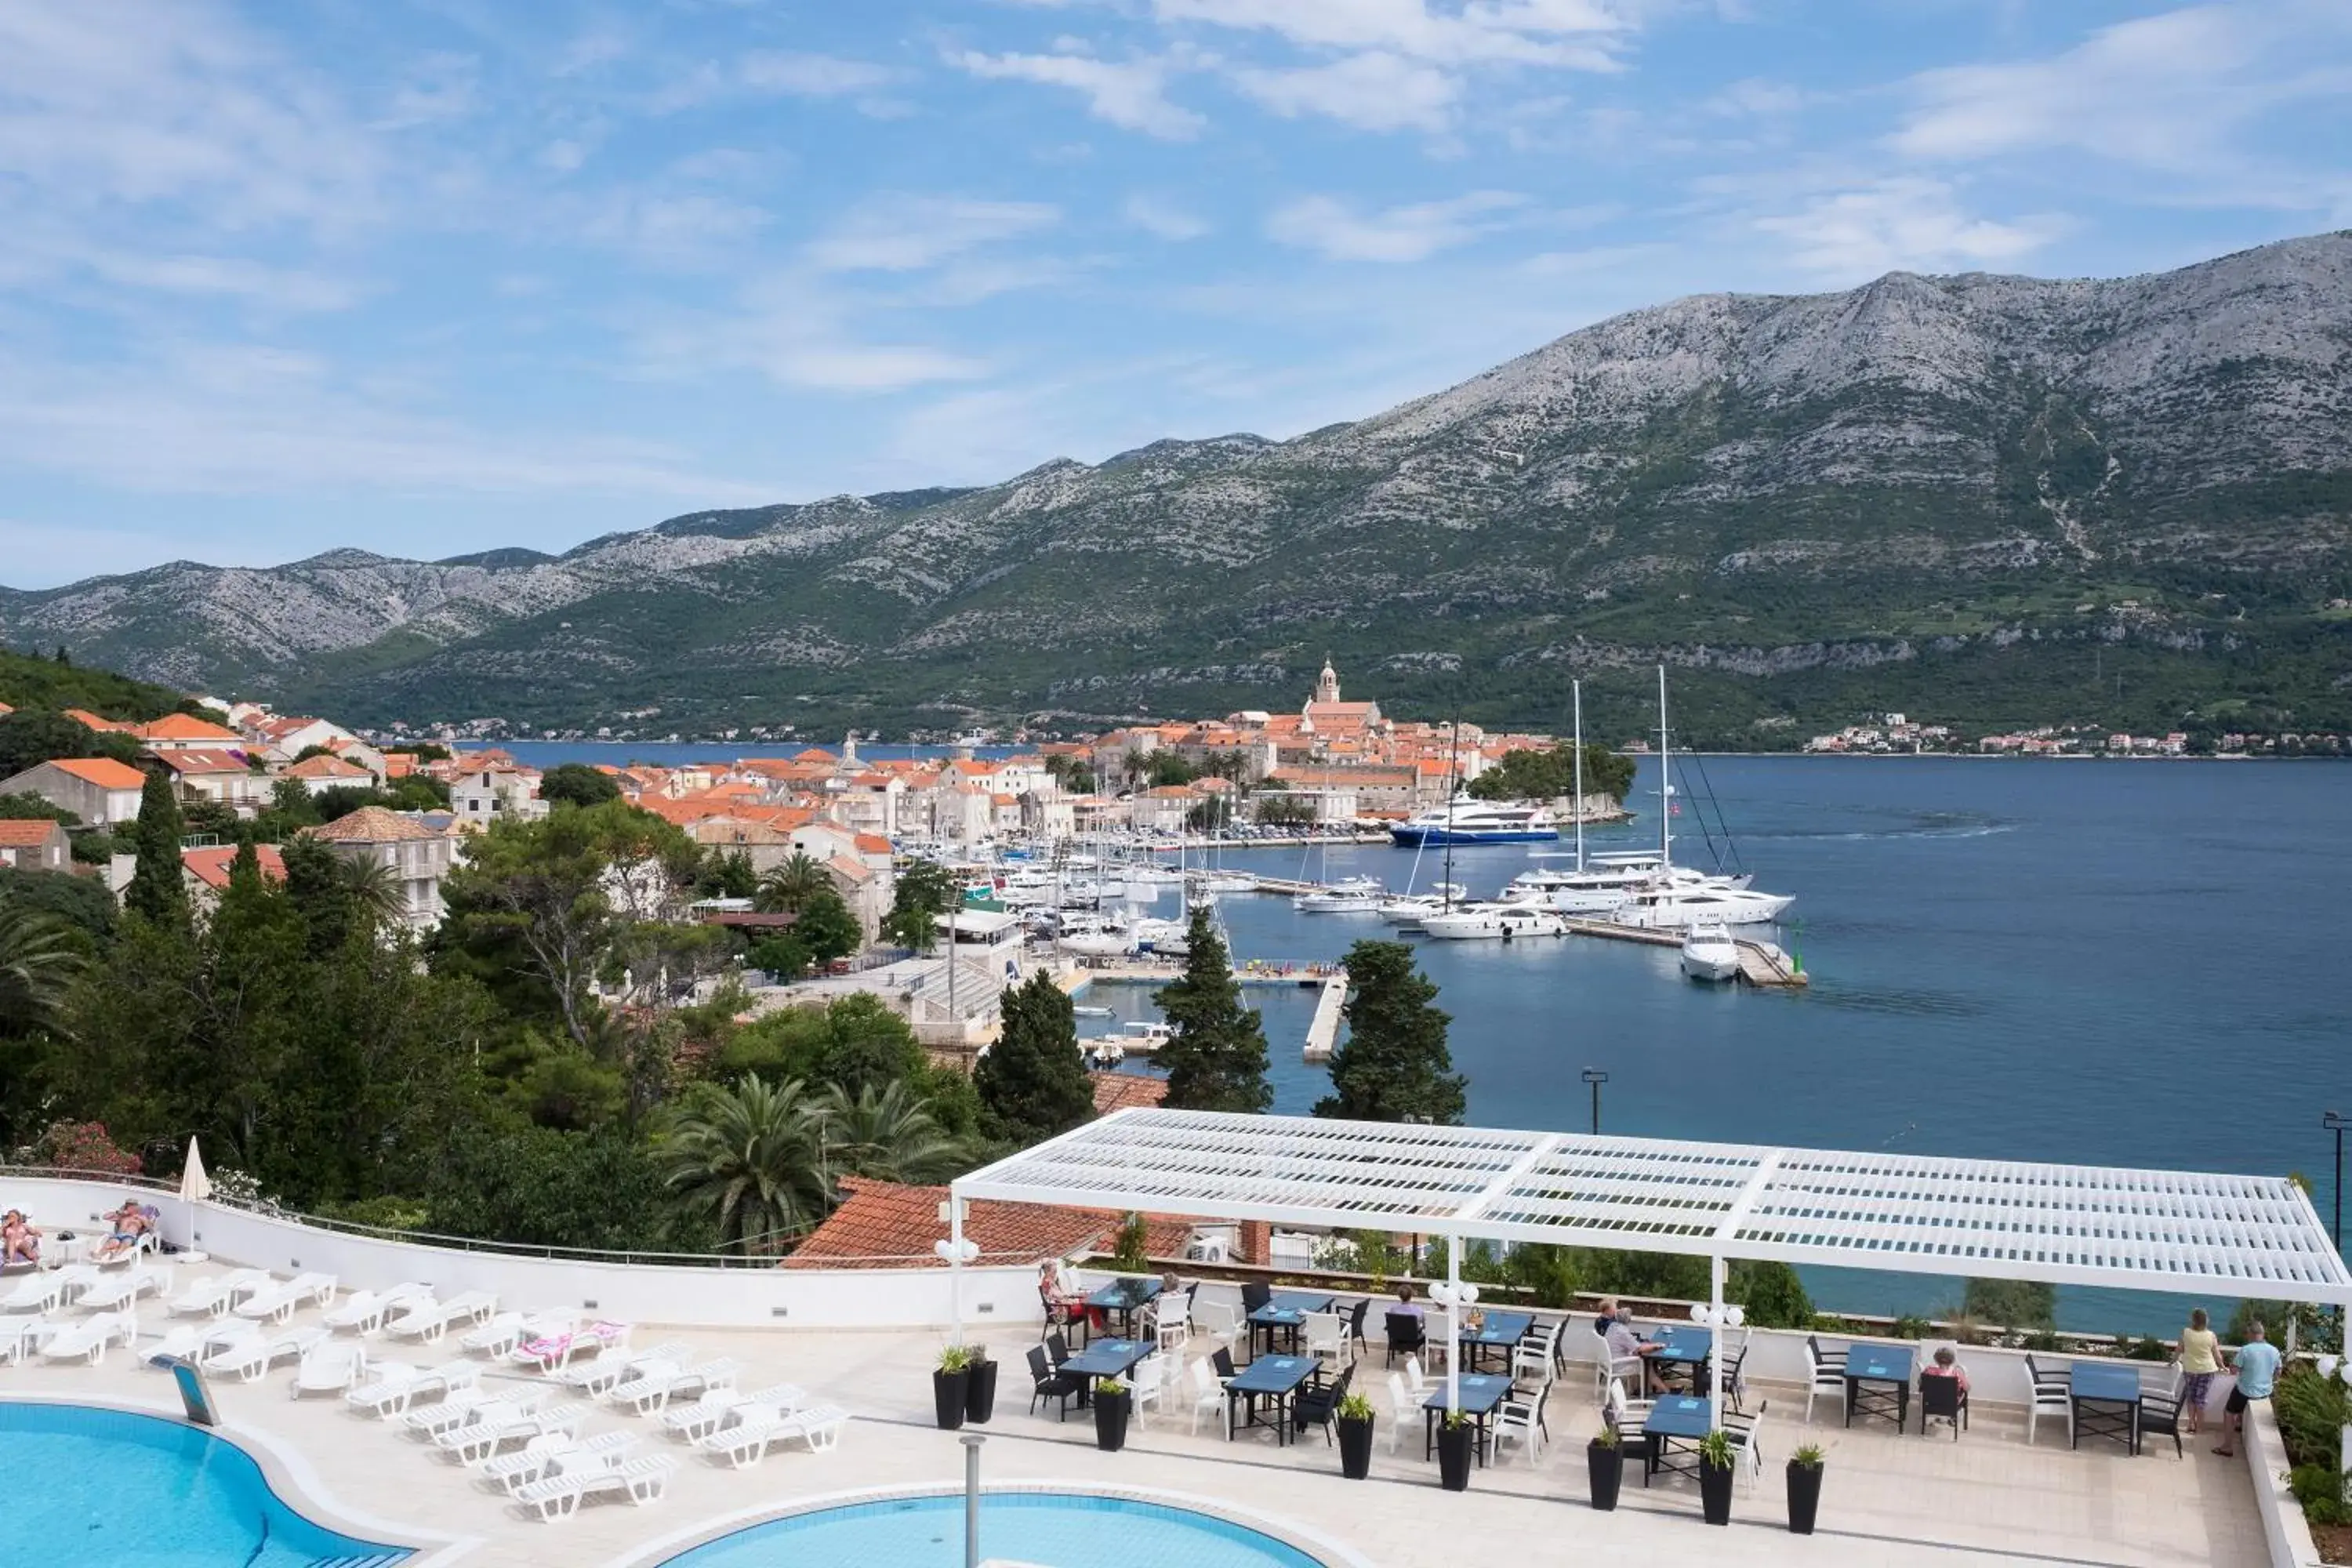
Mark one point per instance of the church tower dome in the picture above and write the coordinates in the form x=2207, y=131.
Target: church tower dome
x=1327, y=685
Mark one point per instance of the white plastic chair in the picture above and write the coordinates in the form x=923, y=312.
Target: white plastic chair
x=1401, y=1405
x=1828, y=1377
x=1217, y=1322
x=1208, y=1391
x=2054, y=1393
x=1414, y=1378
x=1521, y=1419
x=1746, y=1454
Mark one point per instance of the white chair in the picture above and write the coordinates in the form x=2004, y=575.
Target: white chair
x=1828, y=1377
x=2054, y=1393
x=1148, y=1385
x=1531, y=1364
x=1402, y=1407
x=1630, y=1416
x=1414, y=1378
x=1521, y=1419
x=1208, y=1391
x=1325, y=1336
x=1744, y=1452
x=1218, y=1322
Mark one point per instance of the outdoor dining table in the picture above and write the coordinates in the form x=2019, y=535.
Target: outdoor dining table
x=1673, y=1417
x=1285, y=1312
x=1273, y=1378
x=1685, y=1346
x=2107, y=1402
x=1481, y=1392
x=1883, y=1365
x=1125, y=1297
x=1495, y=1330
x=1105, y=1358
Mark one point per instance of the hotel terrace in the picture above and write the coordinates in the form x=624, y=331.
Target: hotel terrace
x=856, y=1336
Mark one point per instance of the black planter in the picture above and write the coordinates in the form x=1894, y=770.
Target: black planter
x=1110, y=1422
x=1355, y=1447
x=1715, y=1492
x=1804, y=1497
x=1454, y=1456
x=979, y=1393
x=949, y=1390
x=1607, y=1463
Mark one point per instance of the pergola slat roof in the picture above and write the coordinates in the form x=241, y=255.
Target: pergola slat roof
x=2127, y=1229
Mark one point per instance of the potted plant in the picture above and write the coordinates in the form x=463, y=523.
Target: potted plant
x=979, y=1391
x=1804, y=1489
x=1354, y=1415
x=1454, y=1434
x=1715, y=1472
x=951, y=1386
x=1110, y=1414
x=1605, y=1458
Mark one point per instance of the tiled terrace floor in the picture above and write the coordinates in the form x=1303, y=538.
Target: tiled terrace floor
x=1987, y=1498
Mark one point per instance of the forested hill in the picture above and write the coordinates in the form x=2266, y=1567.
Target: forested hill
x=1985, y=499
x=42, y=681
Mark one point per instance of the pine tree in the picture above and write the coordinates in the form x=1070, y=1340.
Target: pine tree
x=1218, y=1059
x=1394, y=1063
x=1033, y=1084
x=158, y=887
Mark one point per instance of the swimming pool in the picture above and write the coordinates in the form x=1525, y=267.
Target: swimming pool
x=99, y=1488
x=1068, y=1530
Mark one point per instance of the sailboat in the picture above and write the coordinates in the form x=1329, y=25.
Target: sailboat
x=1675, y=897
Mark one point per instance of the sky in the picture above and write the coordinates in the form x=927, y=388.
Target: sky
x=432, y=278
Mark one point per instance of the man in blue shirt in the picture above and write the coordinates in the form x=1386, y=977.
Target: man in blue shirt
x=2257, y=1364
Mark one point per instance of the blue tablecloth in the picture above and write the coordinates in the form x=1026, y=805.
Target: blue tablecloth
x=1272, y=1374
x=1683, y=1342
x=1677, y=1415
x=2091, y=1381
x=1129, y=1293
x=1880, y=1363
x=1500, y=1329
x=1108, y=1358
x=1290, y=1307
x=1480, y=1394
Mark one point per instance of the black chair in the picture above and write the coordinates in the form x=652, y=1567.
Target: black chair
x=1735, y=1382
x=1049, y=1382
x=1943, y=1398
x=1356, y=1327
x=2160, y=1413
x=1407, y=1334
x=1254, y=1296
x=1315, y=1405
x=1222, y=1360
x=1057, y=1348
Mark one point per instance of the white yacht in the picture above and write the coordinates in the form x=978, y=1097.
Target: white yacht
x=1091, y=936
x=1168, y=939
x=1488, y=922
x=1463, y=821
x=1407, y=910
x=1226, y=882
x=1356, y=896
x=1708, y=952
x=1672, y=904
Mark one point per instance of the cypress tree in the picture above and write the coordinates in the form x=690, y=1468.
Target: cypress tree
x=1033, y=1083
x=1218, y=1059
x=158, y=889
x=1394, y=1063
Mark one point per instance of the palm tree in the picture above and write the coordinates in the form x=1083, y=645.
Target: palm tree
x=788, y=889
x=373, y=890
x=889, y=1135
x=754, y=1157
x=38, y=961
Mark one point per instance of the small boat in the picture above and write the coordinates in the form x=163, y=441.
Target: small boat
x=1356, y=896
x=1709, y=954
x=1139, y=1039
x=1475, y=922
x=1091, y=1013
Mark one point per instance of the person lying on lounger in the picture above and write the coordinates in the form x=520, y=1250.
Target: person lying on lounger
x=20, y=1239
x=130, y=1224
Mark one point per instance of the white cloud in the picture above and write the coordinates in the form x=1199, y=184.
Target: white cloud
x=903, y=233
x=1575, y=33
x=1906, y=222
x=2163, y=91
x=812, y=75
x=675, y=230
x=1756, y=98
x=792, y=331
x=1399, y=234
x=224, y=276
x=1164, y=218
x=1131, y=94
x=1372, y=91
x=563, y=155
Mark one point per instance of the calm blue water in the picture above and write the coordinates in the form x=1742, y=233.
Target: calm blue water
x=2133, y=963
x=101, y=1489
x=1068, y=1530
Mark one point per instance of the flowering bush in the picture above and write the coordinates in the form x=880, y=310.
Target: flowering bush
x=79, y=1146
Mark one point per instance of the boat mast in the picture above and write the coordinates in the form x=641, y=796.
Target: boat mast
x=1575, y=696
x=1453, y=783
x=1666, y=790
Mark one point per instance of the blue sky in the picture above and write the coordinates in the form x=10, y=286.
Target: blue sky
x=432, y=278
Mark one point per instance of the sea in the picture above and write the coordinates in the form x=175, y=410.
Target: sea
x=2089, y=962
x=2096, y=962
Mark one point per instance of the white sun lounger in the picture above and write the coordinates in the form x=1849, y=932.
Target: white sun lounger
x=551, y=1451
x=746, y=1443
x=497, y=1428
x=194, y=1341
x=331, y=1367
x=456, y=1408
x=601, y=1374
x=427, y=1321
x=720, y=1407
x=118, y=1291
x=504, y=1330
x=44, y=1292
x=397, y=1385
x=253, y=1356
x=554, y=1352
x=658, y=1383
x=20, y=1337
x=212, y=1295
x=559, y=1496
x=87, y=1340
x=281, y=1301
x=365, y=1309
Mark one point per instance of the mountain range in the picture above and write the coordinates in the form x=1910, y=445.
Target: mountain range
x=1987, y=500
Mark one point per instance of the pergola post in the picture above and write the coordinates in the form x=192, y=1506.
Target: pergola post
x=1715, y=1341
x=1453, y=1325
x=955, y=1251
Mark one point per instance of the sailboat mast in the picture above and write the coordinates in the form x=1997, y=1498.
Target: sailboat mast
x=1666, y=790
x=1453, y=784
x=1575, y=696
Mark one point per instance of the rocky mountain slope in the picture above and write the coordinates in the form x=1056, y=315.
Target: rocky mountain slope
x=1986, y=497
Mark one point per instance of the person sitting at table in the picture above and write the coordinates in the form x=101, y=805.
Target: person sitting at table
x=1063, y=1307
x=1625, y=1342
x=20, y=1239
x=1406, y=1306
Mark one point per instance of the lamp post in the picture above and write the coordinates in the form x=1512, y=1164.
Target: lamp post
x=2335, y=1123
x=1596, y=1078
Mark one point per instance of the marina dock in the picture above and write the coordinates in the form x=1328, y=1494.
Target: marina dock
x=1761, y=963
x=1323, y=1031
x=1145, y=971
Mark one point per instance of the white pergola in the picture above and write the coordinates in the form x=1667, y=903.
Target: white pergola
x=2173, y=1231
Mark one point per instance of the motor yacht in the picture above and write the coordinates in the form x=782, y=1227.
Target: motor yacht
x=1461, y=821
x=1407, y=910
x=1674, y=905
x=1709, y=954
x=1356, y=896
x=1491, y=921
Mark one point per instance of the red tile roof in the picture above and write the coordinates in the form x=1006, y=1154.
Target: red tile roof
x=211, y=865
x=372, y=824
x=201, y=760
x=186, y=727
x=326, y=768
x=885, y=1224
x=26, y=833
x=103, y=772
x=1117, y=1090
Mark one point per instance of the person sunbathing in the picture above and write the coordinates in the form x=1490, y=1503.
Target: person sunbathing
x=20, y=1239
x=131, y=1223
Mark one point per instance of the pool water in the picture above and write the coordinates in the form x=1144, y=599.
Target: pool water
x=106, y=1489
x=1063, y=1530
